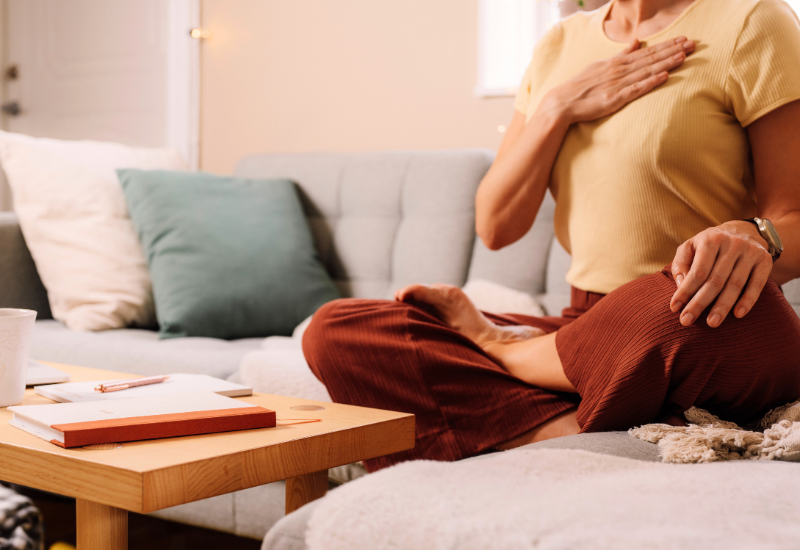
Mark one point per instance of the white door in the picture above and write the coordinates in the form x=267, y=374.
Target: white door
x=99, y=69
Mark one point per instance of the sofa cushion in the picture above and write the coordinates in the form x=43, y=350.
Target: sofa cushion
x=229, y=257
x=138, y=351
x=73, y=214
x=280, y=368
x=383, y=220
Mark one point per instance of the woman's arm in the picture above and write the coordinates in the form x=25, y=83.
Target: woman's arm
x=720, y=262
x=512, y=191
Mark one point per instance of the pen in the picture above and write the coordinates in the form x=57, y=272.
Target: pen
x=118, y=385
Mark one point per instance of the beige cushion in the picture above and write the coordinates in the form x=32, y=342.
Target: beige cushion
x=75, y=221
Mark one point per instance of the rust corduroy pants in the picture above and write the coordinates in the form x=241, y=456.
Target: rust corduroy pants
x=626, y=353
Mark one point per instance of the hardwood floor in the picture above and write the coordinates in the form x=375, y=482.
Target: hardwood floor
x=144, y=532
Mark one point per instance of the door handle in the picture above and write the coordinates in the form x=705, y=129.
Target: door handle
x=11, y=108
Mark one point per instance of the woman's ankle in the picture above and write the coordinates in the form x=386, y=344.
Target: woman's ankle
x=560, y=426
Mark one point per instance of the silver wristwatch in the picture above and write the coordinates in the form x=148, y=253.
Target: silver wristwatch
x=770, y=235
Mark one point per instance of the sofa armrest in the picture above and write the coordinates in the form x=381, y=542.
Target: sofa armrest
x=20, y=285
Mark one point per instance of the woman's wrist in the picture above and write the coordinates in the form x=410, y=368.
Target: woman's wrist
x=745, y=230
x=555, y=111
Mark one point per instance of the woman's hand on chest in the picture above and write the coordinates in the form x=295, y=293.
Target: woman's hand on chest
x=604, y=87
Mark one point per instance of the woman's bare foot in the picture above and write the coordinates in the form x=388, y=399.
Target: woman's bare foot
x=455, y=309
x=524, y=352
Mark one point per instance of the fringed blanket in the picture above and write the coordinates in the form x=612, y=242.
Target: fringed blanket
x=709, y=439
x=20, y=522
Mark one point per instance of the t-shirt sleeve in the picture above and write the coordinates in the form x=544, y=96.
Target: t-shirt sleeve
x=523, y=99
x=543, y=57
x=765, y=66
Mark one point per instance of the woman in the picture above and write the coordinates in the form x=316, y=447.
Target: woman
x=656, y=152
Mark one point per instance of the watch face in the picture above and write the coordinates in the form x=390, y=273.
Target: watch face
x=774, y=238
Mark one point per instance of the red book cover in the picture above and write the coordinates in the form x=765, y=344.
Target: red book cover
x=77, y=434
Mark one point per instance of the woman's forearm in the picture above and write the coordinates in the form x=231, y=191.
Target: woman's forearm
x=787, y=267
x=511, y=193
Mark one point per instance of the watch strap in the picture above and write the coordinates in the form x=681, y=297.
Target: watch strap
x=774, y=253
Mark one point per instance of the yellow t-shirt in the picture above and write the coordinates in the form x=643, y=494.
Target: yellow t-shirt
x=633, y=186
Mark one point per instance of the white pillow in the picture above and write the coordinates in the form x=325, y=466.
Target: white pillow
x=74, y=217
x=494, y=298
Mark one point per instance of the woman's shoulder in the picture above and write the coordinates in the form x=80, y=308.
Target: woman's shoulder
x=752, y=11
x=572, y=27
x=580, y=21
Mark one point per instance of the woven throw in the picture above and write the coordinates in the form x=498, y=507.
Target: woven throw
x=709, y=439
x=20, y=522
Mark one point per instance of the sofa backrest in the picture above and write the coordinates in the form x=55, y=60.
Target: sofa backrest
x=383, y=220
x=536, y=264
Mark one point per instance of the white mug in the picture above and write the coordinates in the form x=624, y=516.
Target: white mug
x=16, y=326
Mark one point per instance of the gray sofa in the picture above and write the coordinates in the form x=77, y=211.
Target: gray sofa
x=380, y=221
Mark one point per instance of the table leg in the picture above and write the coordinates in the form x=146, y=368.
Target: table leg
x=101, y=527
x=303, y=489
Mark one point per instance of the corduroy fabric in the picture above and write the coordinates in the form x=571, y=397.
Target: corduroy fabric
x=626, y=353
x=394, y=356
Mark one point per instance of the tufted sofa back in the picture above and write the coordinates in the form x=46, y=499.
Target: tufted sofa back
x=383, y=220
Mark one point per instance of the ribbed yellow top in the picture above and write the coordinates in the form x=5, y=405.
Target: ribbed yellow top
x=633, y=186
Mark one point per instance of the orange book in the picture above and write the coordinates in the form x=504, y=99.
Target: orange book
x=138, y=418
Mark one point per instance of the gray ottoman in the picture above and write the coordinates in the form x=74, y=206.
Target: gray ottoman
x=290, y=532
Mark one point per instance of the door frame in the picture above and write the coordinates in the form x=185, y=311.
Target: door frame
x=5, y=190
x=183, y=79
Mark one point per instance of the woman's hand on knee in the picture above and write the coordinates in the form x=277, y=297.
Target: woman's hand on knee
x=726, y=265
x=606, y=86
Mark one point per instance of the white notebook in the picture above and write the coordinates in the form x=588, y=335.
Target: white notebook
x=76, y=392
x=42, y=374
x=77, y=424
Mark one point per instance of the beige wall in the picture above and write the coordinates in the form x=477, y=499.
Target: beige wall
x=342, y=75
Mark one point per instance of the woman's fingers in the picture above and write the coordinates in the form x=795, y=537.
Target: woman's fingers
x=711, y=289
x=632, y=47
x=677, y=52
x=758, y=278
x=706, y=250
x=681, y=265
x=642, y=53
x=638, y=89
x=735, y=283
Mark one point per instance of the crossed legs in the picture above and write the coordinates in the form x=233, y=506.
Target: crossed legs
x=480, y=382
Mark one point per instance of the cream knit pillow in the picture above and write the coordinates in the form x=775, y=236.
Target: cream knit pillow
x=73, y=215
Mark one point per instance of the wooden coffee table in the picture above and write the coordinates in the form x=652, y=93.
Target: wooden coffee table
x=145, y=476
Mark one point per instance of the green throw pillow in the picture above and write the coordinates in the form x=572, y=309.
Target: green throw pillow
x=229, y=257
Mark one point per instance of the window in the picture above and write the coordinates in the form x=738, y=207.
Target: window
x=507, y=32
